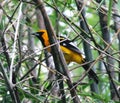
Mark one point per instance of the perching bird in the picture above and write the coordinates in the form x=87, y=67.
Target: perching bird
x=70, y=51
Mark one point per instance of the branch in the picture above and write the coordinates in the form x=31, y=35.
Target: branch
x=14, y=45
x=87, y=48
x=9, y=86
x=111, y=79
x=59, y=60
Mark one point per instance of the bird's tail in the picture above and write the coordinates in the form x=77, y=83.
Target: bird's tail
x=91, y=73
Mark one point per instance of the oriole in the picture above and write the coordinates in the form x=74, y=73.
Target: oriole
x=70, y=51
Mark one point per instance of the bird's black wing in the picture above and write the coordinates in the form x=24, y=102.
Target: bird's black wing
x=68, y=44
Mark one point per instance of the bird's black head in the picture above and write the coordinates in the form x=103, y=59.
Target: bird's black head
x=41, y=35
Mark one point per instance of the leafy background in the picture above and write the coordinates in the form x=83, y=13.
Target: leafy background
x=30, y=79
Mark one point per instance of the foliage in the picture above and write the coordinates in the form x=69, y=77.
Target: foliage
x=29, y=70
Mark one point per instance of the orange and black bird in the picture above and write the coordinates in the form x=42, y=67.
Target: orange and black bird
x=70, y=51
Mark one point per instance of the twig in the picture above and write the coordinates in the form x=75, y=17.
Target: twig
x=10, y=20
x=3, y=40
x=11, y=90
x=59, y=60
x=111, y=79
x=14, y=45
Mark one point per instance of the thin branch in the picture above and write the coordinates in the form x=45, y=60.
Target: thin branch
x=5, y=49
x=11, y=18
x=14, y=45
x=3, y=40
x=87, y=48
x=112, y=81
x=59, y=60
x=11, y=90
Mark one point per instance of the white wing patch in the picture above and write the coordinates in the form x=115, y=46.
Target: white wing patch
x=64, y=44
x=73, y=45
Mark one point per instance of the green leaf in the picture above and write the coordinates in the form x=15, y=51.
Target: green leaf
x=30, y=96
x=109, y=12
x=2, y=23
x=118, y=6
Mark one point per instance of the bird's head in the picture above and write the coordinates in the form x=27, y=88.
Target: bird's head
x=41, y=35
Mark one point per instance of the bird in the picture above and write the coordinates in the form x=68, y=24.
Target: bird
x=71, y=52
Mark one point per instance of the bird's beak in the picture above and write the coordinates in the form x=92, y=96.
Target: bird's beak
x=33, y=33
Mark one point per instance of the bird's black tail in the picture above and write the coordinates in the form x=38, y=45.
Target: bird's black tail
x=91, y=73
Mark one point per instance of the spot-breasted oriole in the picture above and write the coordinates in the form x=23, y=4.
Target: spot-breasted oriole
x=70, y=51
